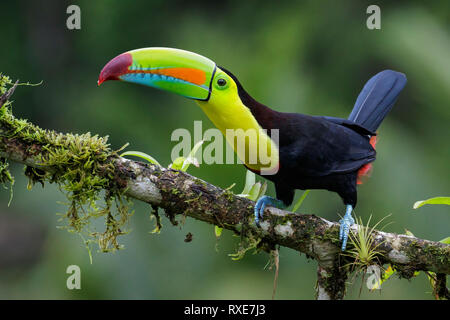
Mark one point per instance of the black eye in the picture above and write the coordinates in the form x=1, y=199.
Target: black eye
x=221, y=82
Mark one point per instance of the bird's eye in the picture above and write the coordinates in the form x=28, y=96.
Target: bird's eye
x=221, y=82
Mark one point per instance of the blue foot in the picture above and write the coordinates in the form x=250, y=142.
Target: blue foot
x=261, y=205
x=346, y=222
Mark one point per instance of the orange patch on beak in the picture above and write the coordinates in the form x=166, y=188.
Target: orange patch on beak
x=191, y=75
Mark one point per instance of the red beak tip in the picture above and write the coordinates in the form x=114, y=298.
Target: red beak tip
x=115, y=68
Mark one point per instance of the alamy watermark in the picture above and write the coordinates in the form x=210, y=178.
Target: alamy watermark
x=73, y=21
x=374, y=20
x=257, y=148
x=74, y=280
x=373, y=281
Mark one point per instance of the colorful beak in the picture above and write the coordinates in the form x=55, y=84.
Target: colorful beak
x=178, y=71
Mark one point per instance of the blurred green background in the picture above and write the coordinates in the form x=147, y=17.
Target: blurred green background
x=311, y=57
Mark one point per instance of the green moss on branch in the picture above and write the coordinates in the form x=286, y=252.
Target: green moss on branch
x=79, y=164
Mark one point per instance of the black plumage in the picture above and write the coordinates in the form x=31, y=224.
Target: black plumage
x=318, y=152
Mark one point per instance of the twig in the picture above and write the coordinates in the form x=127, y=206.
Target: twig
x=5, y=97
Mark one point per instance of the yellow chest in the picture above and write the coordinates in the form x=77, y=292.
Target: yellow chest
x=251, y=143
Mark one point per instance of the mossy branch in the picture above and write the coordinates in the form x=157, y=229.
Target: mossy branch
x=87, y=169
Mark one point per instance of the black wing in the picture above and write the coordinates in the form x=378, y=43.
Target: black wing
x=349, y=124
x=315, y=146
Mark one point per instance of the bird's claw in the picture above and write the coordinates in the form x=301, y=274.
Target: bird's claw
x=261, y=206
x=344, y=230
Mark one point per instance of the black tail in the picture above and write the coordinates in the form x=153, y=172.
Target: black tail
x=377, y=98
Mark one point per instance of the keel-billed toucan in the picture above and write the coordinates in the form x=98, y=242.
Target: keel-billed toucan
x=310, y=152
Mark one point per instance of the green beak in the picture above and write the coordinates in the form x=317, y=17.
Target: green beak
x=178, y=71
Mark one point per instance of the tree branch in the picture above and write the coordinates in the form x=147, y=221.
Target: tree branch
x=179, y=193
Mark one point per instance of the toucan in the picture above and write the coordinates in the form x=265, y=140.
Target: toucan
x=309, y=152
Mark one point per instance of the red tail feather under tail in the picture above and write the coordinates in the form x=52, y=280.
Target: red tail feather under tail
x=366, y=169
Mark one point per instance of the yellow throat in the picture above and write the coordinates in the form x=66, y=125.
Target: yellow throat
x=241, y=130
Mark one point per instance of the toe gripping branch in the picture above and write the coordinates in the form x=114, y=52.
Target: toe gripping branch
x=346, y=222
x=261, y=205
